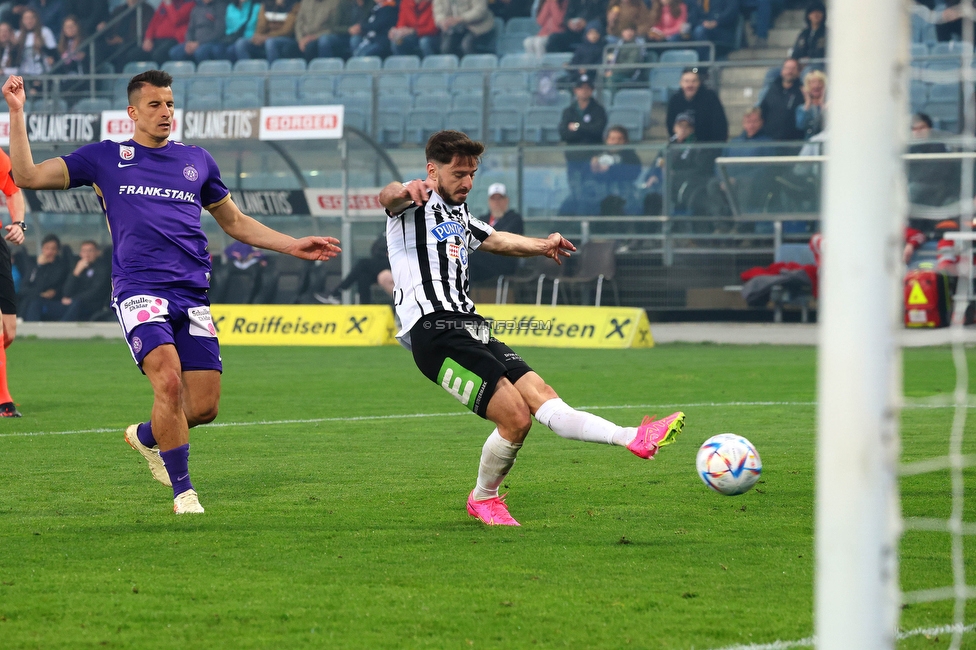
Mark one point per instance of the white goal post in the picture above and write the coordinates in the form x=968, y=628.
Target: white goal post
x=859, y=363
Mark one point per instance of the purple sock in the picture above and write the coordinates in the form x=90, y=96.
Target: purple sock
x=176, y=461
x=144, y=433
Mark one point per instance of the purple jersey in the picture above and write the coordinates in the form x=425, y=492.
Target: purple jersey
x=153, y=200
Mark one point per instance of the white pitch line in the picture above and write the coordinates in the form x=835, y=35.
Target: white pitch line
x=810, y=641
x=407, y=416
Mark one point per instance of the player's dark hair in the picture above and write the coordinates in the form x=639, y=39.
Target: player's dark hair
x=156, y=78
x=443, y=146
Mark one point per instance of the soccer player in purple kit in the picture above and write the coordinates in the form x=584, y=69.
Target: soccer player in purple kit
x=153, y=192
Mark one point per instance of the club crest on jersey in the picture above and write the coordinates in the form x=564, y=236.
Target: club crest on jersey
x=447, y=229
x=458, y=252
x=126, y=152
x=190, y=173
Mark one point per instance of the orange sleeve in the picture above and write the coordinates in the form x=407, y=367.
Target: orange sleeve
x=6, y=177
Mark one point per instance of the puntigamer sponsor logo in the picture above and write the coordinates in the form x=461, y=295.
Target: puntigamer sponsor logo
x=447, y=229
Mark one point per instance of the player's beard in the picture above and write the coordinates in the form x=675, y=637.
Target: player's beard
x=448, y=198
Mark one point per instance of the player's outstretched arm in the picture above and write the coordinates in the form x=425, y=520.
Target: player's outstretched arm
x=397, y=197
x=250, y=231
x=554, y=246
x=48, y=175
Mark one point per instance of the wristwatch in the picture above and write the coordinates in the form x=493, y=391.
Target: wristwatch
x=23, y=226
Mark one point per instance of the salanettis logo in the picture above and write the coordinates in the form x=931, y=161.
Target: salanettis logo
x=126, y=152
x=447, y=229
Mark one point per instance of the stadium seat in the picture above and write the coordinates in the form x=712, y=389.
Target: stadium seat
x=465, y=81
x=395, y=102
x=429, y=100
x=284, y=280
x=498, y=33
x=638, y=98
x=523, y=26
x=395, y=83
x=389, y=127
x=479, y=61
x=402, y=62
x=466, y=120
x=200, y=88
x=359, y=103
x=506, y=81
x=919, y=49
x=91, y=105
x=355, y=84
x=945, y=114
x=542, y=125
x=510, y=100
x=283, y=90
x=288, y=65
x=49, y=105
x=357, y=119
x=326, y=64
x=135, y=67
x=919, y=92
x=364, y=63
x=519, y=60
x=944, y=93
x=214, y=67
x=556, y=59
x=631, y=119
x=245, y=92
x=316, y=89
x=203, y=102
x=505, y=126
x=440, y=62
x=180, y=68
x=251, y=66
x=467, y=99
x=421, y=123
x=511, y=44
x=431, y=82
x=665, y=80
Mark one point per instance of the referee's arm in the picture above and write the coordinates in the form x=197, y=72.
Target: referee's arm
x=508, y=243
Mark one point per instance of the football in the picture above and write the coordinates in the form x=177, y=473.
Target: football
x=729, y=464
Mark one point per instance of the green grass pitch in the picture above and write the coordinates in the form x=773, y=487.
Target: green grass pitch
x=331, y=524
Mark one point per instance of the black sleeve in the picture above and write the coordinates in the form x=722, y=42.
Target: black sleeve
x=672, y=113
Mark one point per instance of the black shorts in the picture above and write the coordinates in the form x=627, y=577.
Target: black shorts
x=8, y=297
x=457, y=352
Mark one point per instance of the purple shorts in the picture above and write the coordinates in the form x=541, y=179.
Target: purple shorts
x=180, y=317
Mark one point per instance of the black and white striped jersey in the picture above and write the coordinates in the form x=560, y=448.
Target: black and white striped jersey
x=428, y=246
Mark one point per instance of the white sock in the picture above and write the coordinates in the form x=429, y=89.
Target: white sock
x=580, y=425
x=497, y=458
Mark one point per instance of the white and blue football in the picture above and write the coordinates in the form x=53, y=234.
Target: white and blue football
x=729, y=464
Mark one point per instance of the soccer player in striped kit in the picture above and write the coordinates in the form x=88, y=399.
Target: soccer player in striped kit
x=152, y=191
x=429, y=235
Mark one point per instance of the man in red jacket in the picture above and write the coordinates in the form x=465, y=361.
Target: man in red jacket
x=415, y=31
x=167, y=28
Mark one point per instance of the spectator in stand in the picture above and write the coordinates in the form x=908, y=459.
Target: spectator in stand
x=322, y=27
x=715, y=21
x=121, y=44
x=631, y=14
x=930, y=182
x=45, y=279
x=949, y=25
x=87, y=290
x=204, y=34
x=467, y=26
x=579, y=14
x=50, y=12
x=812, y=41
x=581, y=123
x=370, y=37
x=626, y=51
x=750, y=183
x=690, y=171
x=415, y=32
x=483, y=267
x=368, y=271
x=781, y=101
x=615, y=172
x=763, y=13
x=673, y=23
x=166, y=29
x=587, y=53
x=811, y=114
x=36, y=43
x=274, y=37
x=506, y=9
x=550, y=18
x=240, y=23
x=9, y=50
x=710, y=123
x=72, y=59
x=88, y=14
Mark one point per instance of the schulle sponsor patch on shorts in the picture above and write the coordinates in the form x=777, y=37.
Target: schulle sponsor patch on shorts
x=201, y=322
x=461, y=383
x=143, y=309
